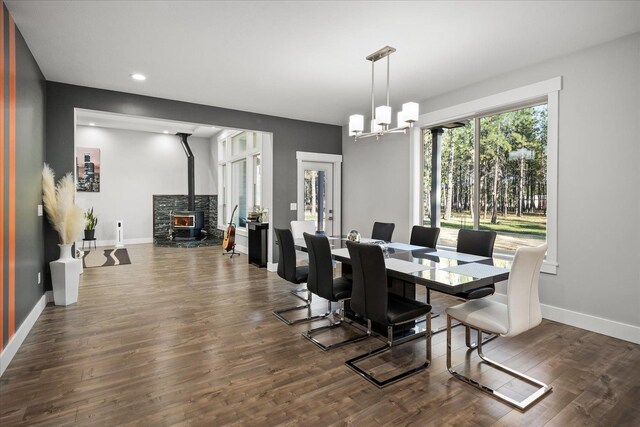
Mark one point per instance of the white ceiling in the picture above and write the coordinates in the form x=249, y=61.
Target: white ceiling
x=142, y=124
x=304, y=59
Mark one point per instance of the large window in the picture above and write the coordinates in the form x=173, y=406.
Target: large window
x=239, y=176
x=492, y=176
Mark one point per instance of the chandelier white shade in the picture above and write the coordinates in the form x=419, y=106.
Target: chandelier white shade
x=381, y=115
x=356, y=124
x=411, y=111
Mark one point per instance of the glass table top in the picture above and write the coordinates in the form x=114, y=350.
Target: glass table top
x=447, y=271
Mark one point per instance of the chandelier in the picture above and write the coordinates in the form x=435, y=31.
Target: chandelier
x=381, y=116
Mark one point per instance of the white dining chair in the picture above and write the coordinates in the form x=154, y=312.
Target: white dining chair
x=518, y=315
x=298, y=228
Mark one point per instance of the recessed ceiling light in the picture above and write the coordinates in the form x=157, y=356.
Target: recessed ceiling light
x=92, y=124
x=165, y=131
x=138, y=76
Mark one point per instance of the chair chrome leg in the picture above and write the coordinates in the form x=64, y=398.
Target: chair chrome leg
x=467, y=337
x=279, y=313
x=523, y=405
x=433, y=315
x=295, y=293
x=351, y=363
x=428, y=354
x=442, y=328
x=310, y=333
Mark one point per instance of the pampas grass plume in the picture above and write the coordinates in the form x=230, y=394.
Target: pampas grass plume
x=67, y=218
x=49, y=194
x=74, y=224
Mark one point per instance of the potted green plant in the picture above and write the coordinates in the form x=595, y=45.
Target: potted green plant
x=90, y=222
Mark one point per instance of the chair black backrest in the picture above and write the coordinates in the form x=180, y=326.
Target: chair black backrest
x=424, y=236
x=287, y=252
x=383, y=231
x=369, y=293
x=320, y=280
x=476, y=242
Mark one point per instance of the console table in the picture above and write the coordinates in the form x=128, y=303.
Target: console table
x=257, y=241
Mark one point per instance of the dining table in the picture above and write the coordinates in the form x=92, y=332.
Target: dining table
x=439, y=269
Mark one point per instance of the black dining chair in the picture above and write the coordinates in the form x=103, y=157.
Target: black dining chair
x=322, y=283
x=371, y=300
x=476, y=242
x=428, y=237
x=382, y=231
x=480, y=243
x=288, y=270
x=424, y=236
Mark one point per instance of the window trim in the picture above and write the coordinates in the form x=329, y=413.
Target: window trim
x=547, y=89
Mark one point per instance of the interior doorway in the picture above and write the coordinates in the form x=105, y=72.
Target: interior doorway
x=141, y=177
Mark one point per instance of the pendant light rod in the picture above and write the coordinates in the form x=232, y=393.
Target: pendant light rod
x=373, y=89
x=388, y=61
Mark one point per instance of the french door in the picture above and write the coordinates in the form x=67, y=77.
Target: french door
x=318, y=194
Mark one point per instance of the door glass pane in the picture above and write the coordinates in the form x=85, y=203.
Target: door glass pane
x=315, y=182
x=257, y=180
x=513, y=156
x=457, y=170
x=239, y=191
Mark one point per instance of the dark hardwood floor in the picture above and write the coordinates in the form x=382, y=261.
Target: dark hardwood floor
x=186, y=336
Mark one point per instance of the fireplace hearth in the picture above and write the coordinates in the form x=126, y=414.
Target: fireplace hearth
x=166, y=206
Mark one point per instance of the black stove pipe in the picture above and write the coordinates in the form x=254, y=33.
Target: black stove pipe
x=191, y=198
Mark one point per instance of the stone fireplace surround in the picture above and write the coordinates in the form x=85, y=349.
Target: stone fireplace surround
x=163, y=204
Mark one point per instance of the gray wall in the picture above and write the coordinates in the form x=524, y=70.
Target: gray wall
x=30, y=103
x=375, y=182
x=288, y=136
x=598, y=199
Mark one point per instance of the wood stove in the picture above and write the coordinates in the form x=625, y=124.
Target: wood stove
x=188, y=225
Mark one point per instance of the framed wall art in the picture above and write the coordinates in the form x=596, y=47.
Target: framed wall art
x=88, y=169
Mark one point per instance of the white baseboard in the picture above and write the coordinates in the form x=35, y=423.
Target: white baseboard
x=134, y=241
x=272, y=266
x=600, y=325
x=16, y=340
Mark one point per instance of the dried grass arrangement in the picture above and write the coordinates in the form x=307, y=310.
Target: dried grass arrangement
x=65, y=217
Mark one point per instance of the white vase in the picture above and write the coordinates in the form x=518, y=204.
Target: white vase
x=65, y=277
